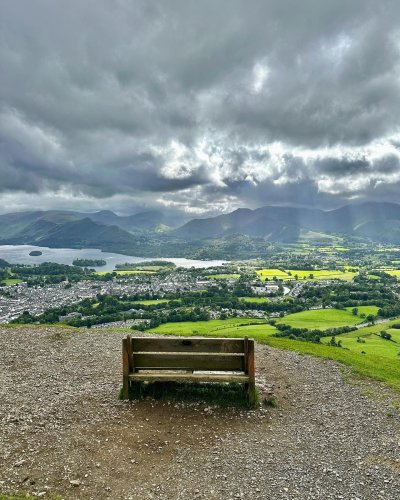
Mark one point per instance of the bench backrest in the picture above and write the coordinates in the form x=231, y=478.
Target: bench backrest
x=189, y=353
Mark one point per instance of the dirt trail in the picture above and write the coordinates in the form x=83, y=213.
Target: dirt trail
x=63, y=431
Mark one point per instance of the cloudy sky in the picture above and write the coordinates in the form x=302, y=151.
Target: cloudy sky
x=198, y=106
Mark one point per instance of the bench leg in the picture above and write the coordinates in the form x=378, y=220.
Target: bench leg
x=251, y=386
x=125, y=369
x=251, y=392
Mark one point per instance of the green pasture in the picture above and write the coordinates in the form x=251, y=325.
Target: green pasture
x=255, y=300
x=380, y=361
x=373, y=345
x=370, y=365
x=151, y=302
x=364, y=310
x=10, y=281
x=321, y=319
x=233, y=327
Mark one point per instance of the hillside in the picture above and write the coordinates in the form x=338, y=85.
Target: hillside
x=80, y=233
x=14, y=224
x=64, y=432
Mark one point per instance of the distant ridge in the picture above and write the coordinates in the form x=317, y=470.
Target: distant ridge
x=378, y=221
x=228, y=235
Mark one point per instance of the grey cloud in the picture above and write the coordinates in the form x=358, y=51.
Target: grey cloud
x=93, y=94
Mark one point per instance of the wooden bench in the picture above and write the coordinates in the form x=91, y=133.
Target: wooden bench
x=193, y=359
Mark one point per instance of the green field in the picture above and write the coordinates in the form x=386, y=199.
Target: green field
x=271, y=273
x=10, y=281
x=322, y=274
x=323, y=319
x=365, y=310
x=371, y=365
x=255, y=300
x=374, y=344
x=393, y=272
x=151, y=302
x=233, y=327
x=379, y=362
x=223, y=276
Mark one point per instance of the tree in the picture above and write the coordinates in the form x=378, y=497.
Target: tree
x=385, y=335
x=354, y=311
x=371, y=318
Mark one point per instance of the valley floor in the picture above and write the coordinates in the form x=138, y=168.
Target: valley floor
x=63, y=430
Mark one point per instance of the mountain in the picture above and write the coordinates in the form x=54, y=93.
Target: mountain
x=238, y=234
x=377, y=221
x=80, y=233
x=11, y=225
x=141, y=221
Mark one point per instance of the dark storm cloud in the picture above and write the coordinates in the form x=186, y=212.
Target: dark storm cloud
x=200, y=104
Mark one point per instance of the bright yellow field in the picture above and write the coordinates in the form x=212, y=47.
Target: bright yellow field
x=322, y=274
x=270, y=273
x=393, y=272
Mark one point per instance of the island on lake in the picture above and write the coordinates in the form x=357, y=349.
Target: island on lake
x=35, y=253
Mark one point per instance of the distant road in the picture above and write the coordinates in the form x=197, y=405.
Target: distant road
x=377, y=322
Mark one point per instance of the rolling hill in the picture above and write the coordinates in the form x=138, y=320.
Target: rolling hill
x=74, y=233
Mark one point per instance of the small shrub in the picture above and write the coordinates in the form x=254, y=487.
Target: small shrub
x=270, y=401
x=385, y=335
x=221, y=394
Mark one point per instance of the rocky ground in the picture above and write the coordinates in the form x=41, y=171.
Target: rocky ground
x=64, y=432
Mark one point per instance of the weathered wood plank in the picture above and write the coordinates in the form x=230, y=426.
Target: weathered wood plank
x=130, y=354
x=187, y=344
x=251, y=373
x=188, y=377
x=125, y=369
x=189, y=361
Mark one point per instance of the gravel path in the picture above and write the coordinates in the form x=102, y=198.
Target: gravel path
x=63, y=431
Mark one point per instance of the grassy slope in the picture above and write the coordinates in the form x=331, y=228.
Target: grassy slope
x=234, y=327
x=379, y=362
x=374, y=344
x=365, y=310
x=321, y=319
x=327, y=318
x=372, y=365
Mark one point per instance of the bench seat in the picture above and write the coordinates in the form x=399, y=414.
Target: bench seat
x=189, y=377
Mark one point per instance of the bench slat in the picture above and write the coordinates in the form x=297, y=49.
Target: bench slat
x=191, y=344
x=188, y=361
x=182, y=377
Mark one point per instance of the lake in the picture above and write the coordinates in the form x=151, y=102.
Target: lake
x=19, y=254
